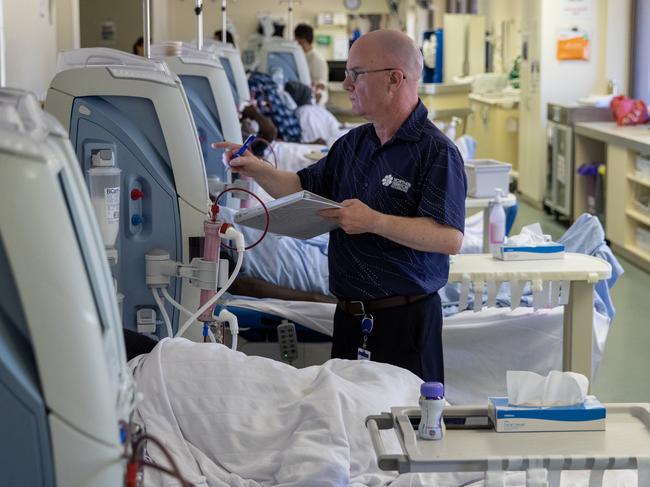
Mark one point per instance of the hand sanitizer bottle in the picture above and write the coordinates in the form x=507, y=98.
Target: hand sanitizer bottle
x=432, y=404
x=497, y=232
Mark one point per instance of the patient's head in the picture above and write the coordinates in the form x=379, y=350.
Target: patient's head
x=300, y=93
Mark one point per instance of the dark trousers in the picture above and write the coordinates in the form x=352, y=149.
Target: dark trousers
x=408, y=336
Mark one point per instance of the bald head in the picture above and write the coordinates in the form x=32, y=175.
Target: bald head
x=391, y=48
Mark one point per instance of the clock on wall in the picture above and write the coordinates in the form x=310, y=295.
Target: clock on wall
x=352, y=4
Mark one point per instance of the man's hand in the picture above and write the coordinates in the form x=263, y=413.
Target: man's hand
x=276, y=182
x=418, y=233
x=247, y=165
x=354, y=218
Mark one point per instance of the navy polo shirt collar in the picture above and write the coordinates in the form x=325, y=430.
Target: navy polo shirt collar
x=410, y=130
x=412, y=127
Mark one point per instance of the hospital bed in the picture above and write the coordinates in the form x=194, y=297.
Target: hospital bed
x=232, y=420
x=492, y=339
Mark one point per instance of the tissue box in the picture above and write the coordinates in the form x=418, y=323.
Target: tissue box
x=529, y=252
x=588, y=416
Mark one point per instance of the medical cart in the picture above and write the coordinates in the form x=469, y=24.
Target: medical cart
x=471, y=445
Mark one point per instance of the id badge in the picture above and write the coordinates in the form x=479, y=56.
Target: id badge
x=363, y=354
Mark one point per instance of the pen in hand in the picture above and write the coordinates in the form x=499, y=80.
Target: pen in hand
x=244, y=147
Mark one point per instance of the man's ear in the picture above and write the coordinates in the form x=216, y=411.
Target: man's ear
x=396, y=79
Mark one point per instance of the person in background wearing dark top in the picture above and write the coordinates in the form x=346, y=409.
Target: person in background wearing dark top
x=138, y=46
x=402, y=188
x=218, y=36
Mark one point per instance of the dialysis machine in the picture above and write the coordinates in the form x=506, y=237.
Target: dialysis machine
x=64, y=382
x=213, y=107
x=130, y=113
x=230, y=59
x=286, y=56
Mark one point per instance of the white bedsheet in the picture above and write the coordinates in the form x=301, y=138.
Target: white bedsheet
x=479, y=347
x=292, y=156
x=233, y=420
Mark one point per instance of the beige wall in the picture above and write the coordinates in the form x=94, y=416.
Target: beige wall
x=68, y=34
x=503, y=19
x=126, y=15
x=243, y=14
x=30, y=33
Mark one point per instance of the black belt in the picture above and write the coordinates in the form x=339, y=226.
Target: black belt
x=360, y=308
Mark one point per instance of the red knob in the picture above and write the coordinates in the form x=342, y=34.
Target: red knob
x=136, y=194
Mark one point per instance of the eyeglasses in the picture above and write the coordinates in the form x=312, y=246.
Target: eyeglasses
x=353, y=74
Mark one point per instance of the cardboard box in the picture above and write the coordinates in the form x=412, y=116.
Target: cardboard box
x=589, y=416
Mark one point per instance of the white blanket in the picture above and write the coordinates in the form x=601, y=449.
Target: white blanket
x=230, y=419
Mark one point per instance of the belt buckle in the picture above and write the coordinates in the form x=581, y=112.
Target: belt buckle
x=362, y=307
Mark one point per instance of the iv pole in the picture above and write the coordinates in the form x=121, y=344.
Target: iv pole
x=198, y=10
x=146, y=27
x=3, y=66
x=224, y=20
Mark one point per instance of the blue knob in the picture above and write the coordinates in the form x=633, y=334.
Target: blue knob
x=137, y=220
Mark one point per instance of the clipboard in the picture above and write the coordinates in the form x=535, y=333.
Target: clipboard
x=295, y=215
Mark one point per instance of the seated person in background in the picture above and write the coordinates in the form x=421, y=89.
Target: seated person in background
x=266, y=94
x=318, y=69
x=253, y=122
x=318, y=125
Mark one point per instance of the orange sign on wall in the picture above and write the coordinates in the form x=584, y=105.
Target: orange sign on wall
x=573, y=45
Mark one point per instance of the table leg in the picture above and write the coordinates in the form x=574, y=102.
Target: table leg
x=486, y=230
x=578, y=329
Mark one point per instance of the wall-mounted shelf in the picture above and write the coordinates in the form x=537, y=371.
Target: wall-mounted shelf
x=639, y=180
x=638, y=216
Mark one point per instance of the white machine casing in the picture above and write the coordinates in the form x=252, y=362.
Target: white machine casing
x=278, y=45
x=190, y=61
x=108, y=72
x=57, y=257
x=232, y=54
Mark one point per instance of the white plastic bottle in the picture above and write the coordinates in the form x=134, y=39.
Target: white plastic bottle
x=497, y=234
x=432, y=404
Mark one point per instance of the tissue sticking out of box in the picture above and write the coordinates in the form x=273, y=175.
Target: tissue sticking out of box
x=530, y=235
x=556, y=389
x=530, y=244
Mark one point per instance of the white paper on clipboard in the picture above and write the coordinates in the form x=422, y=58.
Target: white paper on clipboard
x=295, y=215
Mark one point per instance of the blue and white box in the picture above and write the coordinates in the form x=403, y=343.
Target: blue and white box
x=529, y=252
x=588, y=416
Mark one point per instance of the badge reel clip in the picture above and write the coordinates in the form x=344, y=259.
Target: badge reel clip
x=366, y=328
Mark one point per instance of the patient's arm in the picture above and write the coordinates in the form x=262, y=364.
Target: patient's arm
x=258, y=288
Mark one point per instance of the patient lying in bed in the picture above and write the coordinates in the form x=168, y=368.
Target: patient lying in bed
x=233, y=420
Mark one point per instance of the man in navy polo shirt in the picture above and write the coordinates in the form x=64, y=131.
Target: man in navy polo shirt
x=402, y=186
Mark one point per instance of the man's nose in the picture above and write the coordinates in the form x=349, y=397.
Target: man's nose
x=347, y=84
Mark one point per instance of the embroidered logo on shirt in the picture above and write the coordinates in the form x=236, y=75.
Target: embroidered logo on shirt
x=396, y=183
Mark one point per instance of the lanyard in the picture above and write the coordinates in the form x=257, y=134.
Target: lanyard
x=366, y=328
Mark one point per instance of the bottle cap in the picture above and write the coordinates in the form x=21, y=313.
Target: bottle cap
x=432, y=389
